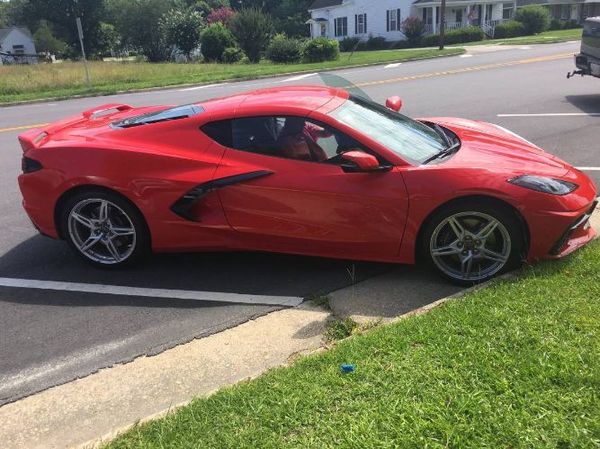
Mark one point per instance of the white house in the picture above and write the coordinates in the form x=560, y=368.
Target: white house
x=16, y=45
x=577, y=10
x=337, y=19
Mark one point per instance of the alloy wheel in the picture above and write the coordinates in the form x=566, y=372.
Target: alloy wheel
x=470, y=246
x=102, y=231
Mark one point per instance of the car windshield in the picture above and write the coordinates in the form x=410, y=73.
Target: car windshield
x=413, y=141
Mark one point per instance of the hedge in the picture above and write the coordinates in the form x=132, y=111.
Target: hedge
x=512, y=28
x=458, y=36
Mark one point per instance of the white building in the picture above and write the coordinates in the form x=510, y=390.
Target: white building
x=577, y=10
x=337, y=19
x=17, y=46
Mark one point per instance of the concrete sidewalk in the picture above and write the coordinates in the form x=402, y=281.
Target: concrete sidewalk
x=84, y=412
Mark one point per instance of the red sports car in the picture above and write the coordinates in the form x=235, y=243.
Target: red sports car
x=306, y=170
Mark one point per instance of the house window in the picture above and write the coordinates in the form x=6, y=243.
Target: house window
x=393, y=19
x=459, y=16
x=360, y=24
x=341, y=26
x=507, y=11
x=19, y=49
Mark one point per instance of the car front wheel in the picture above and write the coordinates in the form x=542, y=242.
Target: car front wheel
x=105, y=229
x=473, y=241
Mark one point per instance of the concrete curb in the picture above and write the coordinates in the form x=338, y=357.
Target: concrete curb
x=216, y=83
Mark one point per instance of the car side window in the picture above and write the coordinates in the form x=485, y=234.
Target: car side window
x=283, y=136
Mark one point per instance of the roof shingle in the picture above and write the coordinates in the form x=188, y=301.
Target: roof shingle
x=320, y=4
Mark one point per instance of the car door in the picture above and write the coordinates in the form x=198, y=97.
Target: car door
x=283, y=203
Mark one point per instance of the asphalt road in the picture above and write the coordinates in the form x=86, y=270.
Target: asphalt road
x=50, y=337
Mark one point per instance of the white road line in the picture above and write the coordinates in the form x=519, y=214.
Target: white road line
x=205, y=86
x=525, y=48
x=289, y=301
x=466, y=56
x=393, y=65
x=588, y=168
x=555, y=114
x=298, y=78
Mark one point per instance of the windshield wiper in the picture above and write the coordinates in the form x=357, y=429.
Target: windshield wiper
x=442, y=134
x=444, y=153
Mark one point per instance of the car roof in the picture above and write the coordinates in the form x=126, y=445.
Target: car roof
x=281, y=100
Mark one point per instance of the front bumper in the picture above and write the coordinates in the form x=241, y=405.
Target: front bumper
x=579, y=233
x=558, y=234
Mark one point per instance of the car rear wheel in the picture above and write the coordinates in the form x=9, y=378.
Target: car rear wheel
x=472, y=241
x=105, y=229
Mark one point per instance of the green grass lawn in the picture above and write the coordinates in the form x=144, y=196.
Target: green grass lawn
x=514, y=365
x=18, y=83
x=547, y=37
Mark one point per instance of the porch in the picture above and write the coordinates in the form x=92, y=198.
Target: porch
x=460, y=14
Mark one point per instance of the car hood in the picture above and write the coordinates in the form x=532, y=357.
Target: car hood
x=488, y=146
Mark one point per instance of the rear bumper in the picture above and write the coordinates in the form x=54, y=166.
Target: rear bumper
x=37, y=203
x=588, y=65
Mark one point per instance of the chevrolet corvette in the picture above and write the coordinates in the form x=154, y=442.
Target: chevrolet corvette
x=306, y=170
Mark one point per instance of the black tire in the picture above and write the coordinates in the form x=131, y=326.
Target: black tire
x=122, y=216
x=440, y=236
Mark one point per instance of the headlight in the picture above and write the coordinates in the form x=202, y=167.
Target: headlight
x=544, y=184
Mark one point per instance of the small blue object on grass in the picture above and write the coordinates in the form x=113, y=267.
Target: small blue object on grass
x=347, y=368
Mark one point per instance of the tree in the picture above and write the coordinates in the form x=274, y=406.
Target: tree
x=109, y=41
x=290, y=17
x=137, y=21
x=46, y=42
x=222, y=15
x=11, y=13
x=252, y=28
x=62, y=14
x=215, y=39
x=207, y=6
x=182, y=29
x=536, y=18
x=413, y=28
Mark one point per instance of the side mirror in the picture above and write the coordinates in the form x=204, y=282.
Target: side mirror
x=360, y=161
x=394, y=103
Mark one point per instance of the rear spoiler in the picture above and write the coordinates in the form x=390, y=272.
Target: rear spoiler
x=92, y=113
x=33, y=138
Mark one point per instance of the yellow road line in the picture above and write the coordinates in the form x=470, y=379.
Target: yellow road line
x=404, y=78
x=467, y=69
x=17, y=128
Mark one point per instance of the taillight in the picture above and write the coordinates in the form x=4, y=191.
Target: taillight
x=29, y=165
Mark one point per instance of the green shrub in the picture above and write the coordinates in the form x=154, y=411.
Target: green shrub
x=321, y=49
x=536, y=18
x=399, y=45
x=215, y=39
x=231, y=55
x=252, y=28
x=376, y=43
x=413, y=28
x=555, y=24
x=570, y=24
x=349, y=44
x=458, y=36
x=512, y=28
x=284, y=50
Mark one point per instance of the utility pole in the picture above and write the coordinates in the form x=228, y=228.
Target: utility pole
x=442, y=23
x=85, y=64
